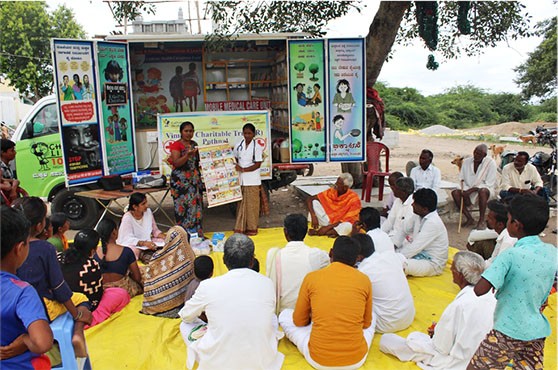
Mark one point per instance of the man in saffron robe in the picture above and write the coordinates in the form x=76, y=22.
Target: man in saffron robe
x=333, y=211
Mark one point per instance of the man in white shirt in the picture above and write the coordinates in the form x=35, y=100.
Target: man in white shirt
x=240, y=305
x=426, y=252
x=392, y=301
x=369, y=221
x=497, y=220
x=401, y=218
x=287, y=267
x=462, y=326
x=521, y=177
x=478, y=179
x=426, y=175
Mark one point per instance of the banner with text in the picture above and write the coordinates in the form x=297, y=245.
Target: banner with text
x=215, y=128
x=117, y=120
x=76, y=88
x=347, y=102
x=307, y=101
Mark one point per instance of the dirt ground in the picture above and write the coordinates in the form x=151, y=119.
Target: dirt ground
x=286, y=200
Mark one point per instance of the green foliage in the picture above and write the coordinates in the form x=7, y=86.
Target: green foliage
x=234, y=17
x=458, y=107
x=537, y=75
x=123, y=11
x=491, y=22
x=510, y=107
x=25, y=56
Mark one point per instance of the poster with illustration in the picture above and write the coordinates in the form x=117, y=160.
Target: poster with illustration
x=307, y=101
x=117, y=116
x=346, y=100
x=215, y=128
x=218, y=168
x=165, y=81
x=74, y=72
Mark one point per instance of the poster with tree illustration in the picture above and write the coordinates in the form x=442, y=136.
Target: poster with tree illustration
x=306, y=101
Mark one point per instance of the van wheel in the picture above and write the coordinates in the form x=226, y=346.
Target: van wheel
x=81, y=212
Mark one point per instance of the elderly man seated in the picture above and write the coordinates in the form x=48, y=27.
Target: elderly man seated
x=333, y=211
x=401, y=218
x=426, y=175
x=240, y=309
x=462, y=326
x=426, y=249
x=521, y=177
x=288, y=266
x=478, y=182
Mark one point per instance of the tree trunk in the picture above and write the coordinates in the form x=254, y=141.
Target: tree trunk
x=381, y=36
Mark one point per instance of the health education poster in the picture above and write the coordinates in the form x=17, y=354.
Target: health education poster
x=218, y=167
x=166, y=81
x=346, y=100
x=215, y=128
x=307, y=101
x=117, y=120
x=74, y=73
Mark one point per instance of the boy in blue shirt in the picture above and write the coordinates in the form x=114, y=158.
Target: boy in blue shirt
x=23, y=317
x=522, y=276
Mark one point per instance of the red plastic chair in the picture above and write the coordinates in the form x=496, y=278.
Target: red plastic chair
x=374, y=150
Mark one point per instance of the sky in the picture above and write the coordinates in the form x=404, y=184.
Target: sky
x=491, y=71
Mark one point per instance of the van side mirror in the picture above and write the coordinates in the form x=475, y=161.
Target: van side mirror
x=29, y=130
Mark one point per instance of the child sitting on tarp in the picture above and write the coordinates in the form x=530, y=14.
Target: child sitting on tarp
x=203, y=269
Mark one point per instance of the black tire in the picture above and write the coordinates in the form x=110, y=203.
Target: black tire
x=81, y=212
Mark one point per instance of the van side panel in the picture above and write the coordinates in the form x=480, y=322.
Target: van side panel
x=39, y=164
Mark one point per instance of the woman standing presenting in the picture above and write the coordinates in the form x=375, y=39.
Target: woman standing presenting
x=248, y=161
x=186, y=184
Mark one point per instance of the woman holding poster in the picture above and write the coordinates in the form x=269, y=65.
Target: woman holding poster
x=249, y=157
x=185, y=181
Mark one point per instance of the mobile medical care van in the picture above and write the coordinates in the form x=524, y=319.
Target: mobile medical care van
x=119, y=102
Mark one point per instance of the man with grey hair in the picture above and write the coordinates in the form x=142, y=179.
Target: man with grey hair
x=451, y=343
x=333, y=211
x=478, y=183
x=241, y=332
x=401, y=219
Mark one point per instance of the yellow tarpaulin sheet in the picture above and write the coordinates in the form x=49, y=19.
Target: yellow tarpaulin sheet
x=130, y=340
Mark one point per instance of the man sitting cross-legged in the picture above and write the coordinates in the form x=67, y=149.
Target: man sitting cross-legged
x=333, y=211
x=401, y=219
x=239, y=306
x=288, y=266
x=393, y=304
x=461, y=328
x=426, y=251
x=332, y=324
x=478, y=179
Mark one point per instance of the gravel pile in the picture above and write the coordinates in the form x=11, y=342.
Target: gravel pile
x=437, y=130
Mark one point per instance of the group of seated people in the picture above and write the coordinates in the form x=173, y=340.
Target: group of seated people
x=328, y=305
x=91, y=279
x=330, y=308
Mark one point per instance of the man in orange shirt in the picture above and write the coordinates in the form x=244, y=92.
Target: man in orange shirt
x=333, y=211
x=332, y=324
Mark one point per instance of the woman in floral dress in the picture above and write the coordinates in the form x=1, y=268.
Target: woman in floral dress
x=186, y=185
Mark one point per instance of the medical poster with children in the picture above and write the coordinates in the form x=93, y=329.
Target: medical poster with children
x=212, y=128
x=218, y=168
x=346, y=88
x=166, y=81
x=307, y=101
x=75, y=81
x=117, y=119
